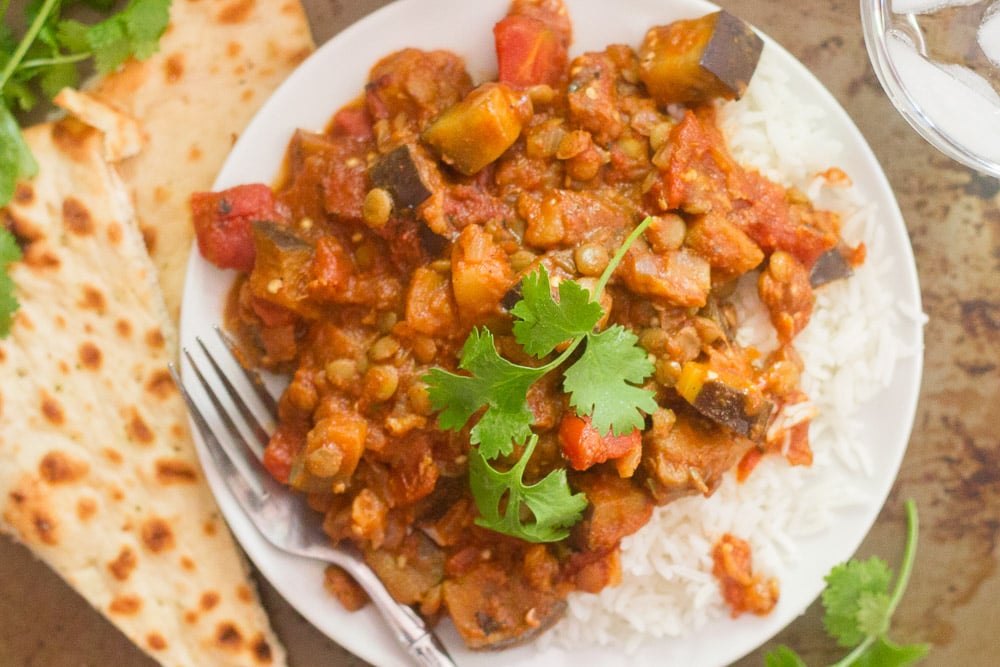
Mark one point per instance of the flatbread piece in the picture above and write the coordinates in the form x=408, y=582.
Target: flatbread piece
x=219, y=60
x=98, y=472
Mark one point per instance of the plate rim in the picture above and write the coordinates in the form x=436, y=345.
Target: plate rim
x=357, y=637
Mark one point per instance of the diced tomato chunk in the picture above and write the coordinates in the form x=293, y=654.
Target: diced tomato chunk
x=584, y=446
x=748, y=463
x=271, y=314
x=354, y=122
x=743, y=589
x=222, y=223
x=529, y=52
x=281, y=450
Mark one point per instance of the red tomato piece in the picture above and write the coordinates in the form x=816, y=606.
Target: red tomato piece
x=281, y=450
x=748, y=463
x=222, y=223
x=584, y=446
x=529, y=52
x=354, y=122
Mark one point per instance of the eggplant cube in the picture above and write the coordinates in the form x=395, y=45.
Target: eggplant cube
x=696, y=60
x=477, y=130
x=829, y=266
x=399, y=173
x=741, y=409
x=282, y=267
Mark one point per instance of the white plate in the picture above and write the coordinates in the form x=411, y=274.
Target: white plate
x=336, y=74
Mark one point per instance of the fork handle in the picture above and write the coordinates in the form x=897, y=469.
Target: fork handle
x=427, y=651
x=422, y=645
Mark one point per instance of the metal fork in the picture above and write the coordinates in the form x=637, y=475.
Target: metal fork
x=281, y=516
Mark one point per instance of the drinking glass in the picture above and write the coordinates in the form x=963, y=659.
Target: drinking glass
x=939, y=63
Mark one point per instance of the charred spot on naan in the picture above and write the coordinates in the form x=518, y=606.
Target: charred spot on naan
x=244, y=594
x=29, y=513
x=155, y=339
x=173, y=68
x=228, y=636
x=160, y=384
x=136, y=427
x=90, y=356
x=41, y=258
x=25, y=231
x=86, y=509
x=76, y=217
x=237, y=11
x=124, y=564
x=261, y=650
x=58, y=467
x=123, y=328
x=157, y=536
x=115, y=233
x=113, y=455
x=51, y=409
x=73, y=138
x=24, y=194
x=148, y=237
x=173, y=471
x=156, y=641
x=92, y=298
x=208, y=601
x=126, y=604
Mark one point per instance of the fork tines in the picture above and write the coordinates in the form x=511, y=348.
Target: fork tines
x=234, y=431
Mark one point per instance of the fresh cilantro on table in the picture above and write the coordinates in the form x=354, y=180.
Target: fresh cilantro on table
x=9, y=252
x=46, y=59
x=16, y=160
x=601, y=384
x=859, y=606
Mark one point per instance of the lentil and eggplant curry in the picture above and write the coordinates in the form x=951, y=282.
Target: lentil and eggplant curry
x=503, y=311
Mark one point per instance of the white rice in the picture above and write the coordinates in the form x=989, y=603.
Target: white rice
x=849, y=350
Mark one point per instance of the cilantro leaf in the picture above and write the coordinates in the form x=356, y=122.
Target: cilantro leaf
x=9, y=252
x=494, y=382
x=109, y=42
x=72, y=35
x=100, y=5
x=554, y=506
x=847, y=584
x=782, y=656
x=873, y=613
x=7, y=43
x=859, y=608
x=58, y=76
x=16, y=160
x=135, y=30
x=544, y=323
x=46, y=58
x=884, y=653
x=599, y=383
x=17, y=95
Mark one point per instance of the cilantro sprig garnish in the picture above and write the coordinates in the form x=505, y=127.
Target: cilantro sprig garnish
x=601, y=383
x=44, y=61
x=859, y=607
x=9, y=252
x=47, y=57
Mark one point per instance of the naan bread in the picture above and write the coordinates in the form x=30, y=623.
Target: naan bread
x=98, y=472
x=218, y=62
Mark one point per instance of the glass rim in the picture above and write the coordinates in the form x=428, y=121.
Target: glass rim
x=876, y=17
